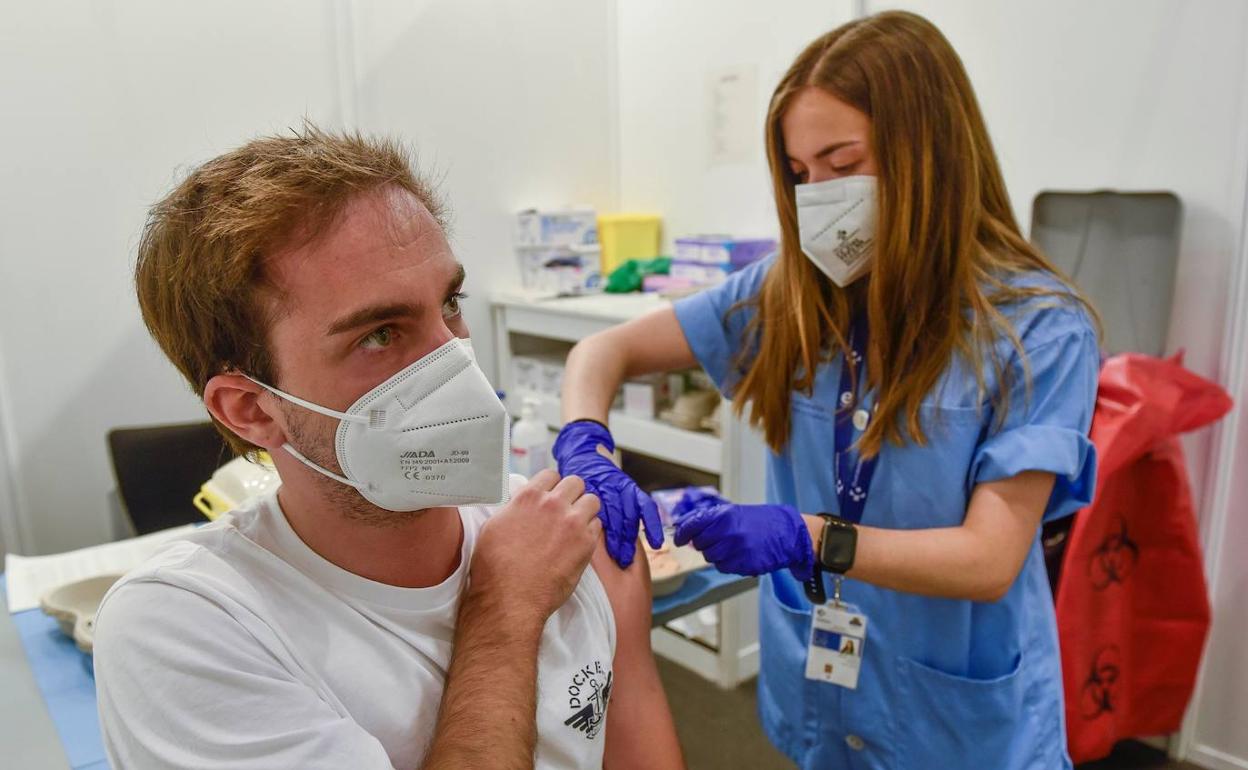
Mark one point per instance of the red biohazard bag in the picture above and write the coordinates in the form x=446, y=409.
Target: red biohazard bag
x=1132, y=605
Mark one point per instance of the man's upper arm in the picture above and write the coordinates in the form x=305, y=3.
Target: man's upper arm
x=640, y=731
x=182, y=684
x=629, y=593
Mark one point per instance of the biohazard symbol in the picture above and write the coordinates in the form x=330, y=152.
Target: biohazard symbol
x=1099, y=691
x=1114, y=559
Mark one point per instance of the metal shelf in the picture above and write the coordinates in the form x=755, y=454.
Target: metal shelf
x=702, y=451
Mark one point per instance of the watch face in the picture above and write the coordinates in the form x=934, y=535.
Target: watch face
x=839, y=541
x=828, y=557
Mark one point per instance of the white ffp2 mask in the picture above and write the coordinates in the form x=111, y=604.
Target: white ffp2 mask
x=434, y=434
x=836, y=225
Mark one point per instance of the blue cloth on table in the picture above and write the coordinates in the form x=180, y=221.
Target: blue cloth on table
x=66, y=680
x=695, y=585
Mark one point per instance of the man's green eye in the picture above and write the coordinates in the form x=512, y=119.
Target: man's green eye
x=380, y=338
x=452, y=307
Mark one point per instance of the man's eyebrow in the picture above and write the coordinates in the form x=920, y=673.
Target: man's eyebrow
x=373, y=314
x=457, y=281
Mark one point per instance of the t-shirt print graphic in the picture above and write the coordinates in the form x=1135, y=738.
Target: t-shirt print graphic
x=589, y=694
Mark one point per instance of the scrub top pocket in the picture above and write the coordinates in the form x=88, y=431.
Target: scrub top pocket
x=784, y=628
x=969, y=722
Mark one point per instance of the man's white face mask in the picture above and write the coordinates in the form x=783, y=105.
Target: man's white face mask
x=836, y=224
x=434, y=434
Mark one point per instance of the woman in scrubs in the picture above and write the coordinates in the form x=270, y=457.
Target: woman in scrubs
x=925, y=380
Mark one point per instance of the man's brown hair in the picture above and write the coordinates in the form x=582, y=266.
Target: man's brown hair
x=200, y=274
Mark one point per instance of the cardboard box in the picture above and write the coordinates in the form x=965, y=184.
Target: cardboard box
x=550, y=376
x=736, y=253
x=526, y=372
x=560, y=270
x=641, y=399
x=699, y=273
x=577, y=226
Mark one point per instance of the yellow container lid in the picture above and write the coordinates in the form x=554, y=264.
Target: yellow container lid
x=628, y=218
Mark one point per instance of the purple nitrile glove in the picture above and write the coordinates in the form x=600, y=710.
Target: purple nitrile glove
x=750, y=539
x=695, y=499
x=624, y=506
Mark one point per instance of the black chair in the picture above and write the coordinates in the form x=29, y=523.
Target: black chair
x=160, y=468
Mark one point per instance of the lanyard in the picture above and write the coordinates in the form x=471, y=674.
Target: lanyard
x=853, y=474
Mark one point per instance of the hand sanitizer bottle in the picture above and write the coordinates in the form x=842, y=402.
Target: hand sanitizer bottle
x=530, y=441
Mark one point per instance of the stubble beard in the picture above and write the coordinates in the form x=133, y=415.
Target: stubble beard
x=314, y=435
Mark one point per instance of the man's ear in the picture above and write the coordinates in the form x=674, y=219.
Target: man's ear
x=247, y=409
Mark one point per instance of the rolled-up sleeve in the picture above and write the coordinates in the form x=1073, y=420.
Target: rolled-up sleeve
x=1046, y=425
x=715, y=326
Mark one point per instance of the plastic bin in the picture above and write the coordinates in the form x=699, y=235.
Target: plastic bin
x=234, y=483
x=627, y=236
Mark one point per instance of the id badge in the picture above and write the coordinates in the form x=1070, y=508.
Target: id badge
x=837, y=635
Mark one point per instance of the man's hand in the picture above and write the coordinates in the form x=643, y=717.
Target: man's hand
x=530, y=554
x=529, y=557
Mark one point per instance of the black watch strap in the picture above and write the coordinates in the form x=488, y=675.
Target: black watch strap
x=815, y=591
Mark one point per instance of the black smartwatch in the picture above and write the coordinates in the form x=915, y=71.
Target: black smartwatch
x=838, y=542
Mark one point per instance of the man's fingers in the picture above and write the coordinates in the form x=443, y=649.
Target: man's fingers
x=570, y=488
x=586, y=507
x=544, y=480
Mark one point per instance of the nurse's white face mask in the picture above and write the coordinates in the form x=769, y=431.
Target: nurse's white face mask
x=434, y=434
x=836, y=224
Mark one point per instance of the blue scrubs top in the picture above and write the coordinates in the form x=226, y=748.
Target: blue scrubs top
x=944, y=683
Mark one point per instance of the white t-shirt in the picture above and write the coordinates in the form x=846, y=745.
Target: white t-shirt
x=240, y=647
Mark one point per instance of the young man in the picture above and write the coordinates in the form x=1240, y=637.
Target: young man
x=376, y=611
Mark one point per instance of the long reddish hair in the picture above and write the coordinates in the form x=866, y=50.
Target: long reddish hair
x=946, y=242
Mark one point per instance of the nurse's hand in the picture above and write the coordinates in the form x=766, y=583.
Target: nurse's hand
x=749, y=539
x=624, y=506
x=695, y=499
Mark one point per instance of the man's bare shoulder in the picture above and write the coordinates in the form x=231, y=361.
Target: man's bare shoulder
x=627, y=589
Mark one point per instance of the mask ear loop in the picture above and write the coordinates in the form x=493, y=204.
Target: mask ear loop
x=295, y=453
x=356, y=418
x=375, y=418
